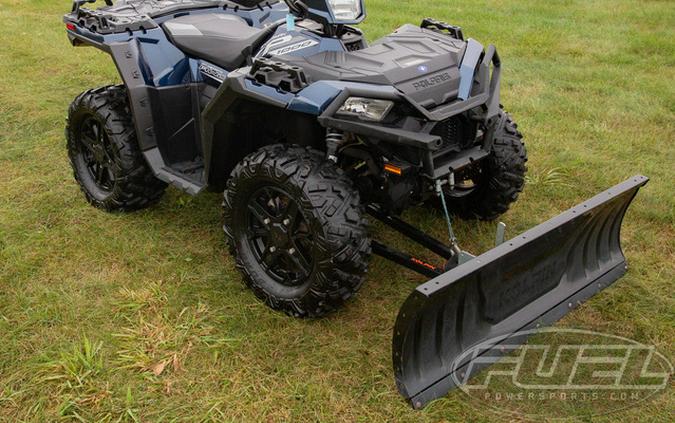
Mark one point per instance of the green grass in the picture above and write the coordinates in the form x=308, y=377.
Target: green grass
x=142, y=317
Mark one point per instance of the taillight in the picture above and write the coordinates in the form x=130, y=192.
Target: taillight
x=70, y=27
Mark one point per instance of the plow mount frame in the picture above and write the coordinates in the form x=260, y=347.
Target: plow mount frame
x=530, y=281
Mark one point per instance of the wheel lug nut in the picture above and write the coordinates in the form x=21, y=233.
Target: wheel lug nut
x=266, y=221
x=291, y=251
x=286, y=222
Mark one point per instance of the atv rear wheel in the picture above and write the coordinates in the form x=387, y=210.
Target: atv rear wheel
x=294, y=223
x=104, y=153
x=500, y=179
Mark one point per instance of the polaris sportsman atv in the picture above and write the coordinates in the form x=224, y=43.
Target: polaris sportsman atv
x=307, y=128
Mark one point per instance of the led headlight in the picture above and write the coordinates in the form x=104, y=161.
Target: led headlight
x=366, y=108
x=345, y=10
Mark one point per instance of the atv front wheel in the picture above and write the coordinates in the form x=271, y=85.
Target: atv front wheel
x=295, y=225
x=500, y=179
x=104, y=153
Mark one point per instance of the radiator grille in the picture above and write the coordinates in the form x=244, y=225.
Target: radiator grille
x=458, y=133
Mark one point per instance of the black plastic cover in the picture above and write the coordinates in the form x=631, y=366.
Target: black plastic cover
x=422, y=64
x=277, y=74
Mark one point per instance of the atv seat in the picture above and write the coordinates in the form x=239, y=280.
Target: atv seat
x=222, y=39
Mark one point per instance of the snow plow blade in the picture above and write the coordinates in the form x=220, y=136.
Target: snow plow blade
x=529, y=281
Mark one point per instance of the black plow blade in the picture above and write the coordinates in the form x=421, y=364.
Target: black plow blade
x=527, y=282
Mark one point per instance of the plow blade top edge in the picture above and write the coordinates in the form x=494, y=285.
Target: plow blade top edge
x=527, y=282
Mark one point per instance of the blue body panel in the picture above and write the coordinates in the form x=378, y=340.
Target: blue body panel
x=163, y=63
x=315, y=98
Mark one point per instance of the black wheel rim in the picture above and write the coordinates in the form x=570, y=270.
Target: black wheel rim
x=279, y=236
x=96, y=153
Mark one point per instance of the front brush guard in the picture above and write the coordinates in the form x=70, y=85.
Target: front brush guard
x=529, y=281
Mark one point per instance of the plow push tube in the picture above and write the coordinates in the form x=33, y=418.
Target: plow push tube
x=529, y=281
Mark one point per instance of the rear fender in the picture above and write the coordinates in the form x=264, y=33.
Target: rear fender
x=163, y=88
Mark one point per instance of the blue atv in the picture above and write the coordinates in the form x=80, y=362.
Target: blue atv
x=308, y=128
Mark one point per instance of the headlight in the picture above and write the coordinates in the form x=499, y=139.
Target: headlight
x=345, y=10
x=366, y=108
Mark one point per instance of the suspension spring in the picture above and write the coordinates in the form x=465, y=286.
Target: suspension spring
x=334, y=139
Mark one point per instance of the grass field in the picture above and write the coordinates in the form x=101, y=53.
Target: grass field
x=142, y=316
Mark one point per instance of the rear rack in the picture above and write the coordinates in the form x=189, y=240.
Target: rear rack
x=134, y=15
x=112, y=19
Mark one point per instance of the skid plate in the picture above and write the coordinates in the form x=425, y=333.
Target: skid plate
x=529, y=281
